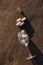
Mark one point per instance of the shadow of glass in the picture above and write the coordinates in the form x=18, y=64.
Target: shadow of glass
x=38, y=60
x=27, y=26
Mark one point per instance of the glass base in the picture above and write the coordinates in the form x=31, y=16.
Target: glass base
x=31, y=57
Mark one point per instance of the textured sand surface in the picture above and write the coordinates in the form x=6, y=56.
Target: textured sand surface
x=11, y=51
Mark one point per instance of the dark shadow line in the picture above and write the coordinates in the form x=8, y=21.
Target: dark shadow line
x=34, y=50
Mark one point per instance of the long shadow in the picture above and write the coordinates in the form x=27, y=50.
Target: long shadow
x=34, y=50
x=27, y=26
